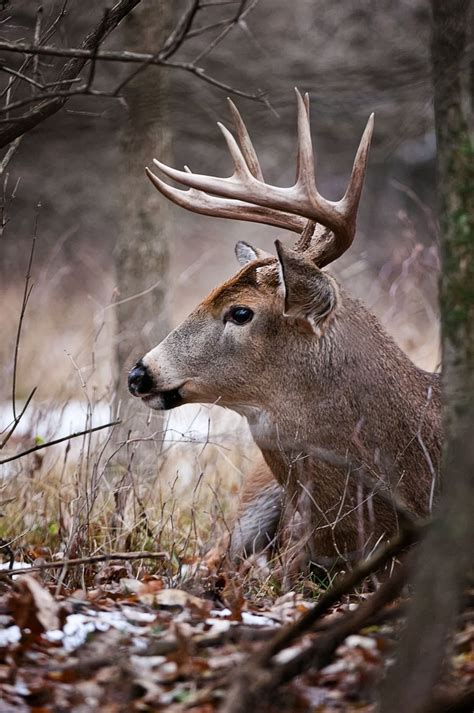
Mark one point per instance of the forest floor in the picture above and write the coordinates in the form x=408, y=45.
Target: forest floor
x=123, y=640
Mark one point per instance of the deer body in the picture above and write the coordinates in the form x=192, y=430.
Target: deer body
x=343, y=419
x=350, y=392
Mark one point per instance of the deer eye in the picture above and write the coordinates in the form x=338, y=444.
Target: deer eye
x=239, y=315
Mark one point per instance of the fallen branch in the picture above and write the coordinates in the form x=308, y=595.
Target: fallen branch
x=319, y=653
x=261, y=675
x=77, y=562
x=343, y=586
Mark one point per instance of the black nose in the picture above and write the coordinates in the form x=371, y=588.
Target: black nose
x=139, y=380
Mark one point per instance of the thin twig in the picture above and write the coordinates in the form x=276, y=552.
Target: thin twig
x=63, y=94
x=24, y=304
x=95, y=49
x=23, y=77
x=206, y=28
x=77, y=562
x=59, y=440
x=9, y=154
x=221, y=36
x=180, y=32
x=258, y=95
x=11, y=428
x=36, y=42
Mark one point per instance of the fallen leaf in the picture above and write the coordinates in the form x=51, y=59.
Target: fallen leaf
x=33, y=607
x=175, y=599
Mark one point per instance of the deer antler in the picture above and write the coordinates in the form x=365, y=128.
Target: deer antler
x=245, y=195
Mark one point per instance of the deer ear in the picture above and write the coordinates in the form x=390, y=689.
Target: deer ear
x=246, y=253
x=310, y=294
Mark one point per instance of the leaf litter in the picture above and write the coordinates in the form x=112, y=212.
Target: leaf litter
x=136, y=644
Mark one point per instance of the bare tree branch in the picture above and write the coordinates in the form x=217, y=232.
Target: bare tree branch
x=49, y=102
x=345, y=584
x=77, y=562
x=37, y=39
x=9, y=155
x=26, y=296
x=319, y=653
x=70, y=71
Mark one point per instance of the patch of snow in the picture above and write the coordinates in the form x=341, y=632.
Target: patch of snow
x=9, y=635
x=362, y=642
x=191, y=422
x=247, y=617
x=287, y=654
x=335, y=668
x=256, y=619
x=220, y=613
x=78, y=626
x=218, y=626
x=16, y=565
x=190, y=426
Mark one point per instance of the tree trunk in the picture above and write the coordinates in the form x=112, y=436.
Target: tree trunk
x=445, y=558
x=142, y=246
x=141, y=255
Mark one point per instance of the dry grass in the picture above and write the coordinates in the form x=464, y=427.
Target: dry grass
x=162, y=488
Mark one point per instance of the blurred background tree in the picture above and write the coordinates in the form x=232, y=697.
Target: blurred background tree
x=141, y=252
x=445, y=560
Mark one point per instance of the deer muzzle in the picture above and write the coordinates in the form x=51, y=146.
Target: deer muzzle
x=142, y=385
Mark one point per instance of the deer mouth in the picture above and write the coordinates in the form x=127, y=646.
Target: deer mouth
x=164, y=400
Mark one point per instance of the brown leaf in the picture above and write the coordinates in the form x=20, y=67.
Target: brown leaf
x=175, y=599
x=112, y=573
x=33, y=607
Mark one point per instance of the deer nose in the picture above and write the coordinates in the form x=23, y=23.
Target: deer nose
x=139, y=380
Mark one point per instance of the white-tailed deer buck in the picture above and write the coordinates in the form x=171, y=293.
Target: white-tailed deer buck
x=342, y=417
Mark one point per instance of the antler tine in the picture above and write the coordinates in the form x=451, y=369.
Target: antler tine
x=305, y=159
x=241, y=168
x=304, y=240
x=205, y=204
x=352, y=195
x=245, y=142
x=306, y=103
x=326, y=251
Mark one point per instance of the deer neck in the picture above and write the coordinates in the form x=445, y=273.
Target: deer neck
x=354, y=393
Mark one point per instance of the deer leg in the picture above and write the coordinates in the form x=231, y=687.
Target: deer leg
x=254, y=528
x=256, y=525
